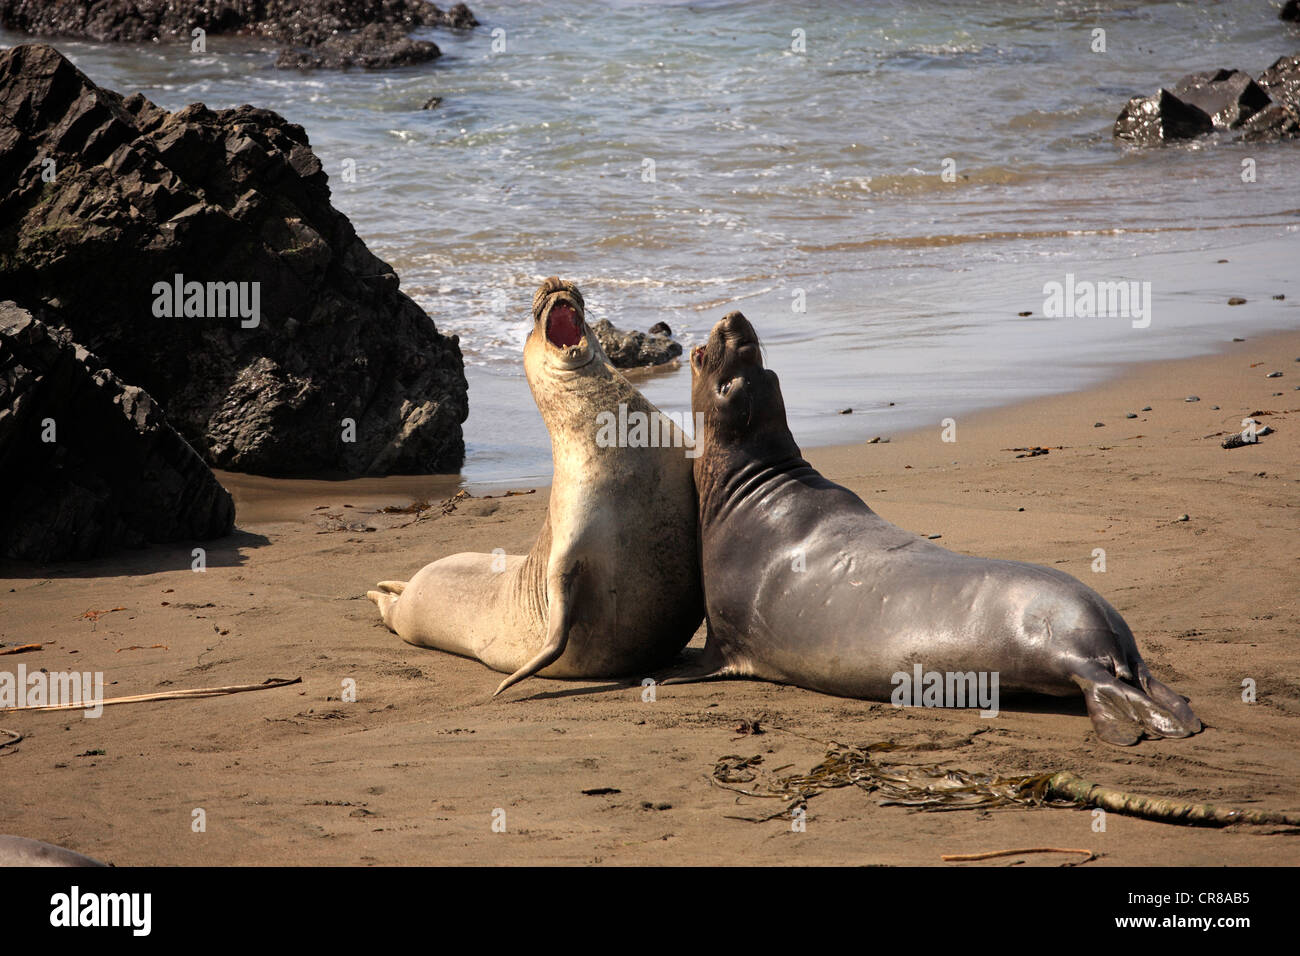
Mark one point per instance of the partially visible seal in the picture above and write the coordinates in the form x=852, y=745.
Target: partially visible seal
x=807, y=585
x=612, y=585
x=21, y=851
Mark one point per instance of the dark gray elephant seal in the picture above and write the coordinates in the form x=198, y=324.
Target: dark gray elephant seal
x=873, y=600
x=612, y=586
x=20, y=851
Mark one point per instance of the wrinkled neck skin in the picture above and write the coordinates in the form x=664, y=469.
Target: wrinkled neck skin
x=734, y=471
x=569, y=398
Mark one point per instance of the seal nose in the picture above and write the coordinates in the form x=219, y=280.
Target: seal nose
x=737, y=328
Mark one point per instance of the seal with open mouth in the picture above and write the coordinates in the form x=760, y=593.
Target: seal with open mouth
x=804, y=584
x=612, y=585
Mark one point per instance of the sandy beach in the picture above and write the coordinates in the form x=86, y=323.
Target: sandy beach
x=413, y=770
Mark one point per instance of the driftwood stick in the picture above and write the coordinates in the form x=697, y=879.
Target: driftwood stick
x=190, y=694
x=967, y=857
x=1068, y=786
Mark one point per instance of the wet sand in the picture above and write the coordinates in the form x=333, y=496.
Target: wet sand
x=412, y=772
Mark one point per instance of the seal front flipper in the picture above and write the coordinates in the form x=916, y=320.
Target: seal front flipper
x=712, y=664
x=1122, y=714
x=559, y=620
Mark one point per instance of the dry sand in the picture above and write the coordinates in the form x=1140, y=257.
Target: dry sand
x=412, y=772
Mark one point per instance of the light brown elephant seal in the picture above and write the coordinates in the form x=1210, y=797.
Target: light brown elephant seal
x=612, y=586
x=807, y=585
x=22, y=851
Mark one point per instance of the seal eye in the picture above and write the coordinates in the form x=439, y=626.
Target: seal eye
x=724, y=388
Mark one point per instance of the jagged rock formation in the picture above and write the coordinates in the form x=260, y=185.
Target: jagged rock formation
x=315, y=33
x=197, y=253
x=89, y=463
x=635, y=349
x=1226, y=101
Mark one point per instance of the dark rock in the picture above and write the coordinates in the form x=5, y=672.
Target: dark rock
x=634, y=349
x=661, y=328
x=116, y=474
x=1225, y=100
x=1282, y=81
x=431, y=103
x=1273, y=122
x=1290, y=11
x=1273, y=375
x=1146, y=408
x=373, y=47
x=341, y=29
x=1228, y=97
x=1192, y=398
x=1236, y=300
x=141, y=196
x=1130, y=414
x=1152, y=120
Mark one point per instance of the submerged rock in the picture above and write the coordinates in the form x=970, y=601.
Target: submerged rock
x=373, y=47
x=197, y=253
x=635, y=349
x=1151, y=120
x=370, y=33
x=1217, y=100
x=89, y=463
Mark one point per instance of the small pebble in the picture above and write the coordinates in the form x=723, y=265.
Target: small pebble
x=1184, y=517
x=1024, y=314
x=1146, y=408
x=1214, y=408
x=1020, y=509
x=846, y=411
x=1236, y=300
x=1130, y=415
x=933, y=537
x=1238, y=340
x=1276, y=394
x=1274, y=375
x=1192, y=398
x=874, y=441
x=1222, y=261
x=1280, y=296
x=1099, y=425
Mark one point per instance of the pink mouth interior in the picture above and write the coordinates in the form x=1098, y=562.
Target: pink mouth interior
x=562, y=326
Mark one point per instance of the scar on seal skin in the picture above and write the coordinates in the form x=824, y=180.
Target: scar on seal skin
x=612, y=585
x=805, y=584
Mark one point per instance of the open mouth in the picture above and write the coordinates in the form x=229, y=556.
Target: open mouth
x=563, y=327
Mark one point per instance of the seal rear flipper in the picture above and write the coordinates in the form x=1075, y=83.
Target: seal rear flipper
x=1172, y=701
x=1122, y=714
x=386, y=599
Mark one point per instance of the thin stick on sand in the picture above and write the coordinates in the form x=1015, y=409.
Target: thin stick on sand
x=190, y=694
x=968, y=857
x=20, y=649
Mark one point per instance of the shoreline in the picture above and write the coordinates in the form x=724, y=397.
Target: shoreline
x=412, y=771
x=271, y=499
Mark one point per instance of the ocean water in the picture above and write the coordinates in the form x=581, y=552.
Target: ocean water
x=679, y=160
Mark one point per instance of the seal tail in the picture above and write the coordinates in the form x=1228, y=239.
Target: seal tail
x=1123, y=714
x=386, y=598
